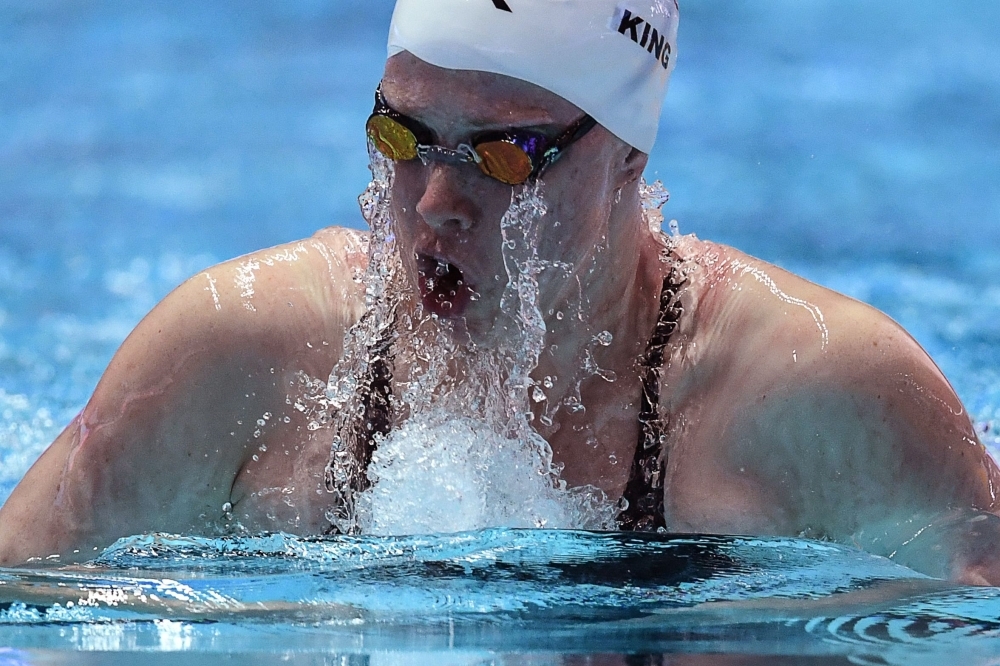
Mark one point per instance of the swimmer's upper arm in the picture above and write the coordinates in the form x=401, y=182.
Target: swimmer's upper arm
x=172, y=421
x=832, y=417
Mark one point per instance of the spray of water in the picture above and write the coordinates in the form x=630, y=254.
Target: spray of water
x=462, y=452
x=348, y=389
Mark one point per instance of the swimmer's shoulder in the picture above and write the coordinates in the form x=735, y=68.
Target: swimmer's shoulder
x=173, y=423
x=298, y=290
x=798, y=393
x=742, y=307
x=287, y=306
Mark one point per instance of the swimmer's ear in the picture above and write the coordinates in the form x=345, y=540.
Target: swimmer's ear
x=634, y=165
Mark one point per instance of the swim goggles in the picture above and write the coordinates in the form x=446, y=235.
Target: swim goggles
x=511, y=156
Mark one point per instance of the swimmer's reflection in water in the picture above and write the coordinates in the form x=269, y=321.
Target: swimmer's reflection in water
x=770, y=406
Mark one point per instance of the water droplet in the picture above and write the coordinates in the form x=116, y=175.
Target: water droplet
x=604, y=338
x=560, y=315
x=548, y=382
x=537, y=394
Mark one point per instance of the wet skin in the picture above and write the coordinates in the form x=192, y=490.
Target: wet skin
x=793, y=410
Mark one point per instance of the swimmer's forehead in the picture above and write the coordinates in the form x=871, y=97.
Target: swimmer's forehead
x=439, y=96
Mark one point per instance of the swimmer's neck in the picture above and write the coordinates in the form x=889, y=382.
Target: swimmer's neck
x=619, y=290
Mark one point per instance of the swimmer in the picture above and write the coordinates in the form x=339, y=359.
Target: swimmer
x=745, y=400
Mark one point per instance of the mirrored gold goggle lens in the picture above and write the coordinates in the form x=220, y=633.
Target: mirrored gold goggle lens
x=392, y=138
x=505, y=162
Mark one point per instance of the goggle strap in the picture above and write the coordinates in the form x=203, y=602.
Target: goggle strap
x=571, y=135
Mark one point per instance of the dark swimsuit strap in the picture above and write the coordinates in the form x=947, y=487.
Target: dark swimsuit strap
x=644, y=490
x=643, y=496
x=377, y=414
x=375, y=417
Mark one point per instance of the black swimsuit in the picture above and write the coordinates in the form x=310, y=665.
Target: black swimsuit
x=644, y=490
x=643, y=497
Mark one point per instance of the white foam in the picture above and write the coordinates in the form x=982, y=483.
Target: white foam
x=439, y=473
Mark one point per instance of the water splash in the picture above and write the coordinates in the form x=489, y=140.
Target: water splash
x=654, y=196
x=349, y=386
x=442, y=473
x=463, y=453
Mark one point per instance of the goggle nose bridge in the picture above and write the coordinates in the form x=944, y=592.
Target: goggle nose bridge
x=463, y=154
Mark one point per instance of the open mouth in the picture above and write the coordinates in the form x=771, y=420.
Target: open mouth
x=443, y=288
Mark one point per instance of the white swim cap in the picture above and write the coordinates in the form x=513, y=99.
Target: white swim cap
x=611, y=58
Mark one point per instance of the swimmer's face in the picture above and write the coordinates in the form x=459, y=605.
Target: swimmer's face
x=448, y=215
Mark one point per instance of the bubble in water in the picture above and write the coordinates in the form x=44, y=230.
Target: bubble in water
x=574, y=404
x=538, y=395
x=604, y=338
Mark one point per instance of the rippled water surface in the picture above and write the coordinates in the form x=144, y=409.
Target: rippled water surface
x=499, y=593
x=857, y=143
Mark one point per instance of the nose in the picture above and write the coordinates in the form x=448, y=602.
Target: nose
x=447, y=203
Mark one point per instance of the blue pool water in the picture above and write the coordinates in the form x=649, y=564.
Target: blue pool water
x=856, y=143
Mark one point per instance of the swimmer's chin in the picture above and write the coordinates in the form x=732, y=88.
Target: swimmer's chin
x=475, y=327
